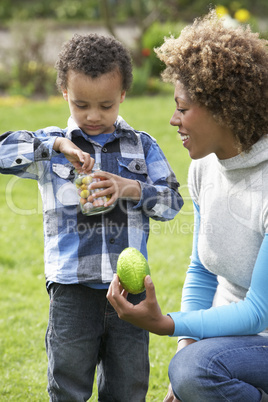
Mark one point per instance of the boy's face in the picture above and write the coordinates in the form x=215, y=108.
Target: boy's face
x=94, y=102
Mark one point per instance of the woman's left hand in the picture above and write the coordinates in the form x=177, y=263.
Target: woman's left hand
x=147, y=314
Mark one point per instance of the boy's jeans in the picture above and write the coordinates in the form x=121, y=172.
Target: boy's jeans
x=83, y=332
x=222, y=369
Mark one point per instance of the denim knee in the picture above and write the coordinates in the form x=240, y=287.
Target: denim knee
x=184, y=373
x=227, y=368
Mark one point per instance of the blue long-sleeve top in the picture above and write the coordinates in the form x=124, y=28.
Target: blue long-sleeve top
x=200, y=320
x=225, y=292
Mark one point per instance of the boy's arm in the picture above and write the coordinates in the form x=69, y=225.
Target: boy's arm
x=158, y=197
x=79, y=159
x=20, y=150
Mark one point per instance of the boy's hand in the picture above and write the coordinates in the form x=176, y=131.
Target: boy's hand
x=116, y=186
x=82, y=161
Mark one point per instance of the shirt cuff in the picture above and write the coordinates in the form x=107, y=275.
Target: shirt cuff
x=148, y=197
x=43, y=150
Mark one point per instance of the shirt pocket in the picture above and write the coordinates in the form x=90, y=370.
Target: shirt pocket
x=65, y=172
x=133, y=168
x=64, y=188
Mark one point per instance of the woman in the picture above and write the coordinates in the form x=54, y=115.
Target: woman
x=221, y=93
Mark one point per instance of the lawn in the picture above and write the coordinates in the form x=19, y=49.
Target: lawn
x=23, y=298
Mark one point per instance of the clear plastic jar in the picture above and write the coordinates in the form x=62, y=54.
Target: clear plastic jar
x=82, y=183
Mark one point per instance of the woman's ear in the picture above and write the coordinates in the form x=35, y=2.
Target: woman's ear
x=65, y=94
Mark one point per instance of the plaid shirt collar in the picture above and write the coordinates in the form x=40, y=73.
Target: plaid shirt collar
x=122, y=129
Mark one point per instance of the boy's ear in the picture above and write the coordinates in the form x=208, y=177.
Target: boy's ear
x=123, y=95
x=65, y=94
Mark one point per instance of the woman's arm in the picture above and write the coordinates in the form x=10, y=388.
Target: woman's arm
x=200, y=285
x=247, y=317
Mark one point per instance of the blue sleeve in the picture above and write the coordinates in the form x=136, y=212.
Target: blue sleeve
x=247, y=317
x=21, y=150
x=200, y=284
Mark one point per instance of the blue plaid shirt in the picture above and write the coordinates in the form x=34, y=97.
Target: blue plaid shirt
x=84, y=249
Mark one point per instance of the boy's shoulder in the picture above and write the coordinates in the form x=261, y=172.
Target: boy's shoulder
x=52, y=131
x=25, y=135
x=122, y=125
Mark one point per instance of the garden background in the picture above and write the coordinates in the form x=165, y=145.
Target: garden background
x=31, y=34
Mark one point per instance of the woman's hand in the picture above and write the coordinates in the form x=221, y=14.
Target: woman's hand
x=82, y=161
x=116, y=187
x=147, y=314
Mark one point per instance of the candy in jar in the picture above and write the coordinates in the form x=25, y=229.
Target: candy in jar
x=89, y=207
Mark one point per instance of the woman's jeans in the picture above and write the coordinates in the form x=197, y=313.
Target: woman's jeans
x=84, y=332
x=221, y=369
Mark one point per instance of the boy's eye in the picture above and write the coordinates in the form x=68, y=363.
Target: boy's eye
x=81, y=106
x=106, y=107
x=181, y=110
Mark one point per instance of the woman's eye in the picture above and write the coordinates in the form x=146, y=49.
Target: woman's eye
x=181, y=110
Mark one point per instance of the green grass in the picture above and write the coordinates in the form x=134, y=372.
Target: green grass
x=23, y=298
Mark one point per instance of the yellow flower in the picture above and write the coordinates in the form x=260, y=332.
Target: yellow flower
x=56, y=100
x=32, y=65
x=242, y=15
x=221, y=11
x=16, y=100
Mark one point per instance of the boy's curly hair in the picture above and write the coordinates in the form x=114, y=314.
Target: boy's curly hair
x=225, y=70
x=93, y=55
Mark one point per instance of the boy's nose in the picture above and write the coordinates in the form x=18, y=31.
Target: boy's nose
x=93, y=115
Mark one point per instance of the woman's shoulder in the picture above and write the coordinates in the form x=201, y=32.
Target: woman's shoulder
x=200, y=167
x=199, y=171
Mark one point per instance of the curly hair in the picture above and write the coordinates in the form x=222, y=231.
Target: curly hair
x=224, y=69
x=93, y=55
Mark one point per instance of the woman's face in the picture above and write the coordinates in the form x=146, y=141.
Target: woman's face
x=198, y=130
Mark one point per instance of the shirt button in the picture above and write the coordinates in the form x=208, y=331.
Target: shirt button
x=112, y=241
x=104, y=149
x=137, y=167
x=18, y=161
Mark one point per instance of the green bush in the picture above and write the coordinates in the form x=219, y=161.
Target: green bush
x=146, y=84
x=154, y=37
x=29, y=74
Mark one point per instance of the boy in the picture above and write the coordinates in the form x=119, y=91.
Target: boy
x=81, y=252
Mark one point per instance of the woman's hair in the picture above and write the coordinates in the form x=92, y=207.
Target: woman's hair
x=224, y=69
x=93, y=55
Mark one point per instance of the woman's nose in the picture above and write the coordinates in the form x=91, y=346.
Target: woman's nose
x=175, y=120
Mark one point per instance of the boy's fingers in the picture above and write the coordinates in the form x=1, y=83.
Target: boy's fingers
x=87, y=162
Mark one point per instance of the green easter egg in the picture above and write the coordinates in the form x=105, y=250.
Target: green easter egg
x=132, y=268
x=78, y=181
